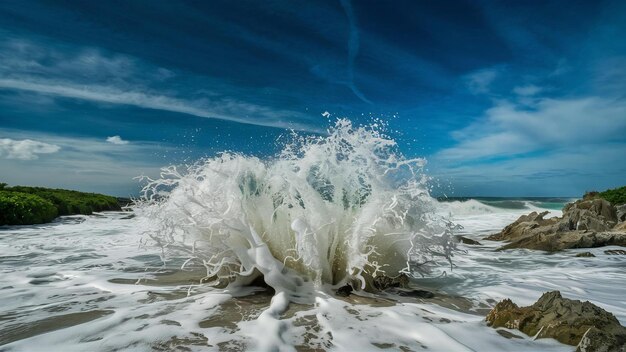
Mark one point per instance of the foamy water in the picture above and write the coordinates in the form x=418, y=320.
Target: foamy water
x=85, y=283
x=239, y=253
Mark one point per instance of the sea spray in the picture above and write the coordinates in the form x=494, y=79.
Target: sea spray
x=343, y=207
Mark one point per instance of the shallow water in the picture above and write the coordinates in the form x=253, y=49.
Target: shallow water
x=87, y=283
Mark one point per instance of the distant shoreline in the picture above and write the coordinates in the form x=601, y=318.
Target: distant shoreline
x=20, y=205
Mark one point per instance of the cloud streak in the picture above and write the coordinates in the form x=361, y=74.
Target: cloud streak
x=89, y=74
x=353, y=49
x=199, y=108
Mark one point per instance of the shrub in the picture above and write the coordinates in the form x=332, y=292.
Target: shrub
x=18, y=208
x=72, y=202
x=616, y=196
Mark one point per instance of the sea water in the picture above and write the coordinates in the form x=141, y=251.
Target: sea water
x=236, y=253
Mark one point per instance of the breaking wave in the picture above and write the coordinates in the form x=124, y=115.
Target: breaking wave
x=334, y=209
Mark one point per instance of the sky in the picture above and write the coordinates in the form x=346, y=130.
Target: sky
x=503, y=98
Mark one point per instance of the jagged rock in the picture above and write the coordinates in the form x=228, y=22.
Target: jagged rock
x=572, y=322
x=466, y=240
x=593, y=214
x=585, y=255
x=585, y=224
x=522, y=227
x=615, y=252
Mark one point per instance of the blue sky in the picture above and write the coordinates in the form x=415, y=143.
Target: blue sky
x=503, y=98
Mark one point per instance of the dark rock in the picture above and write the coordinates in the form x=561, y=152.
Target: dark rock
x=466, y=240
x=416, y=293
x=507, y=334
x=383, y=282
x=615, y=252
x=569, y=321
x=344, y=291
x=585, y=255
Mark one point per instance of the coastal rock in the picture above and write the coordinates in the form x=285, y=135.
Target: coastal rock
x=553, y=242
x=383, y=282
x=620, y=212
x=465, y=240
x=344, y=291
x=615, y=252
x=593, y=214
x=585, y=255
x=586, y=223
x=572, y=322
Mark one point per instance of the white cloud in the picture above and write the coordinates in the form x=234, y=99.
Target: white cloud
x=510, y=129
x=545, y=147
x=25, y=149
x=116, y=140
x=87, y=164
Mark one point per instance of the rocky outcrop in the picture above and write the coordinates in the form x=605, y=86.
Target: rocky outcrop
x=585, y=224
x=572, y=322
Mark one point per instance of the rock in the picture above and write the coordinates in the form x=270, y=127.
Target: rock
x=585, y=224
x=620, y=227
x=572, y=322
x=615, y=252
x=595, y=340
x=344, y=291
x=522, y=227
x=507, y=334
x=585, y=255
x=466, y=240
x=594, y=215
x=383, y=282
x=620, y=212
x=553, y=242
x=416, y=293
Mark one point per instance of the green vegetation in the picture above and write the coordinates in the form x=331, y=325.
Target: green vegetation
x=616, y=196
x=23, y=209
x=21, y=205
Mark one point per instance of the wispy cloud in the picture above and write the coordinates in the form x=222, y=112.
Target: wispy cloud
x=479, y=82
x=89, y=74
x=25, y=149
x=116, y=140
x=527, y=91
x=353, y=49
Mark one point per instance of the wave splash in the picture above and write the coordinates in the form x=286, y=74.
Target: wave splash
x=334, y=209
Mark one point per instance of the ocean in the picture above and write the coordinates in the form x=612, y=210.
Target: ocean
x=239, y=253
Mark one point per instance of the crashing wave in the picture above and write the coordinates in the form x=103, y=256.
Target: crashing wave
x=344, y=207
